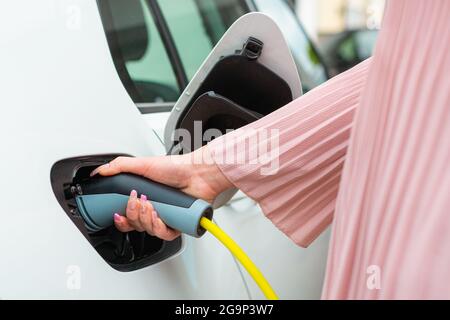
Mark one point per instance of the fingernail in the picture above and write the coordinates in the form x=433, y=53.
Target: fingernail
x=117, y=217
x=96, y=171
x=143, y=197
x=133, y=202
x=93, y=173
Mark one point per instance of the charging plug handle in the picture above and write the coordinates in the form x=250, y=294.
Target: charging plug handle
x=99, y=198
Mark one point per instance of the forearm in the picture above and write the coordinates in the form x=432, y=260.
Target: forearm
x=306, y=143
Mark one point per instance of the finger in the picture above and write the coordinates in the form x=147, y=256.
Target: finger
x=134, y=209
x=146, y=218
x=133, y=206
x=161, y=230
x=122, y=223
x=122, y=164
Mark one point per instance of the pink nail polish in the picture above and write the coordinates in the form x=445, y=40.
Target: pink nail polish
x=133, y=194
x=117, y=217
x=143, y=197
x=93, y=173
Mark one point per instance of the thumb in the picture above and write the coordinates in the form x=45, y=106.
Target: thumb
x=122, y=164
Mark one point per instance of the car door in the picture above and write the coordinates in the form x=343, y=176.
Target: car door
x=65, y=110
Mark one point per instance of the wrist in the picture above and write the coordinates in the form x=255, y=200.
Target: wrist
x=206, y=169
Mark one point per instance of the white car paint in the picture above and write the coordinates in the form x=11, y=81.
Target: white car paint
x=61, y=97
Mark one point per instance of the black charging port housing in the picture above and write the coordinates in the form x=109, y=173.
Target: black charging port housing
x=237, y=91
x=122, y=251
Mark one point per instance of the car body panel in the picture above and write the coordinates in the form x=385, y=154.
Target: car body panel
x=64, y=99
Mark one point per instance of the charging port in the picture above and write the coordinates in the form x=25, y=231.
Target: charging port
x=123, y=251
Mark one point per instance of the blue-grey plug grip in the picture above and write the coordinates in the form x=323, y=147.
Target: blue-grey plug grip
x=97, y=211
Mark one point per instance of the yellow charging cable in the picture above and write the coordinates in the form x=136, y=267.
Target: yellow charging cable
x=241, y=256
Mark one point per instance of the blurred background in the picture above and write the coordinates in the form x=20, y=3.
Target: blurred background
x=326, y=37
x=344, y=31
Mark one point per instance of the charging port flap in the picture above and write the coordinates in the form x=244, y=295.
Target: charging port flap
x=122, y=251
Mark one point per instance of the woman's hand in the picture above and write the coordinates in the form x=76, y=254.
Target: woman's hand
x=195, y=174
x=141, y=216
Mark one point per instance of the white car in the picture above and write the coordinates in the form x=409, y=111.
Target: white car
x=72, y=73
